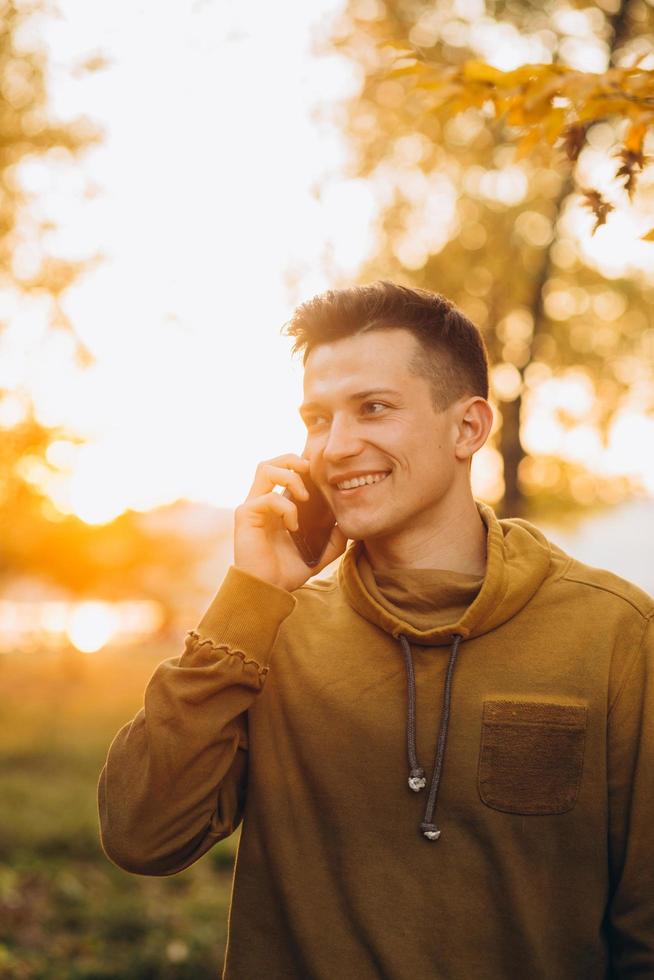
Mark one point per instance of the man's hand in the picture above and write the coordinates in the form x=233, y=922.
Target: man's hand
x=262, y=544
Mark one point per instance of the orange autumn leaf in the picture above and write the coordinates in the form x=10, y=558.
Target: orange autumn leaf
x=635, y=137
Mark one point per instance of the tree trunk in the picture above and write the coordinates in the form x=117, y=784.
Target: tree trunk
x=513, y=503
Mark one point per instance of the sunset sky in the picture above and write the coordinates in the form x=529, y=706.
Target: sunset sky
x=201, y=207
x=200, y=204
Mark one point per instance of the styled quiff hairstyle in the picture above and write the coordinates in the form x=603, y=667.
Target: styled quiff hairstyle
x=453, y=356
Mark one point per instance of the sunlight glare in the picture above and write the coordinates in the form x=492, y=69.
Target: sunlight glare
x=506, y=381
x=487, y=475
x=91, y=626
x=630, y=441
x=199, y=237
x=209, y=239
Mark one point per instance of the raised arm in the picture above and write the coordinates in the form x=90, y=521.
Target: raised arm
x=175, y=778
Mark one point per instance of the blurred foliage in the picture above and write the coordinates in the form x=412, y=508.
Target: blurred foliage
x=27, y=133
x=129, y=556
x=549, y=104
x=29, y=269
x=497, y=231
x=67, y=913
x=116, y=560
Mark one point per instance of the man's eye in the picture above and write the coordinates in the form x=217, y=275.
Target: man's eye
x=311, y=421
x=374, y=408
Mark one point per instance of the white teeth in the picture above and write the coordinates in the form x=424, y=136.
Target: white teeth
x=360, y=481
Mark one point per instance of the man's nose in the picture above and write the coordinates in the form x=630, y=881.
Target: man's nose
x=342, y=440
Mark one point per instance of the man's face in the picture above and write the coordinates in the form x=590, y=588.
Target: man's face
x=368, y=416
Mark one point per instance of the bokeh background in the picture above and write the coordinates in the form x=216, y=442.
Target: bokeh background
x=174, y=178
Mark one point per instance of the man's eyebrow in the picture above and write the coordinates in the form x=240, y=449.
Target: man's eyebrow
x=356, y=396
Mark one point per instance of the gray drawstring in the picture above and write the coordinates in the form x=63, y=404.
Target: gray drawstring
x=417, y=779
x=416, y=773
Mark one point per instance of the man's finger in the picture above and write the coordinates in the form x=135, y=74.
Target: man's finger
x=273, y=476
x=267, y=504
x=277, y=472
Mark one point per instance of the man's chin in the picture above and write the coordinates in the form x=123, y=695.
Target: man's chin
x=360, y=530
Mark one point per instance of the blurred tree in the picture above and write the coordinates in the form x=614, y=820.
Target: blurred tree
x=27, y=133
x=501, y=232
x=27, y=269
x=133, y=554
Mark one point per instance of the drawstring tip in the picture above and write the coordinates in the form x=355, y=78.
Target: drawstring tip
x=417, y=780
x=430, y=831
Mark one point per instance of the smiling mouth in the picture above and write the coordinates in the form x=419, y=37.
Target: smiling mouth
x=366, y=480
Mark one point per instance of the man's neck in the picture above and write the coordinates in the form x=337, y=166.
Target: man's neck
x=456, y=541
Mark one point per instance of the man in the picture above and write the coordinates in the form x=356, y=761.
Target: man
x=442, y=754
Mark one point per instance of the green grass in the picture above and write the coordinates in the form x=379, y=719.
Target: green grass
x=67, y=913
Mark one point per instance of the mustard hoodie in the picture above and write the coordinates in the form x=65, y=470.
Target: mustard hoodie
x=528, y=852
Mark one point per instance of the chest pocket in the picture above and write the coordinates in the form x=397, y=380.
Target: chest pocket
x=531, y=756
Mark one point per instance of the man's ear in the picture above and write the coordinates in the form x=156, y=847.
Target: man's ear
x=475, y=421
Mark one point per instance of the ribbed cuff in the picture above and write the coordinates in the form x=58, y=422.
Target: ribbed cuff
x=246, y=615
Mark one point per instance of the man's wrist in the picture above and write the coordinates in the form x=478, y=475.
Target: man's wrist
x=246, y=614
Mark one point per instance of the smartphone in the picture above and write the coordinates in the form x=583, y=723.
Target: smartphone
x=315, y=523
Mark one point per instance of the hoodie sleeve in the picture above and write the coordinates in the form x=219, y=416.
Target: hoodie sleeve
x=175, y=778
x=631, y=816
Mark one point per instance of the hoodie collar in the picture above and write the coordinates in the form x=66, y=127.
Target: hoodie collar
x=517, y=562
x=423, y=597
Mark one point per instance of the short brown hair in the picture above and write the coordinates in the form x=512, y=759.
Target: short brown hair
x=453, y=359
